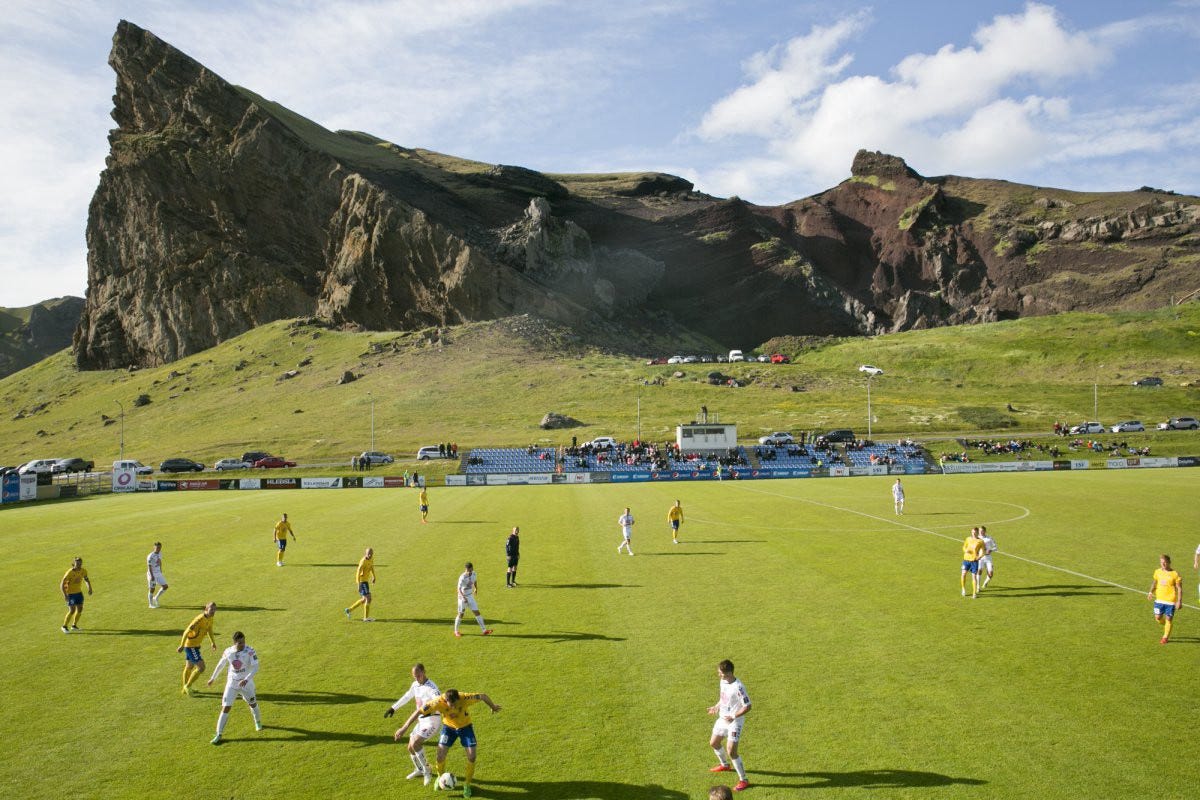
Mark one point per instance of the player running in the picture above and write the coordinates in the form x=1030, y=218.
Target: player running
x=512, y=551
x=154, y=575
x=193, y=640
x=626, y=523
x=423, y=504
x=456, y=725
x=898, y=496
x=985, y=560
x=72, y=590
x=674, y=519
x=972, y=549
x=731, y=710
x=365, y=575
x=282, y=529
x=422, y=691
x=467, y=589
x=1167, y=593
x=243, y=666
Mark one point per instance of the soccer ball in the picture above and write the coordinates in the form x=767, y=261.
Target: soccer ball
x=446, y=780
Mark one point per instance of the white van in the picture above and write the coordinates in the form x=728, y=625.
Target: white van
x=736, y=355
x=38, y=466
x=138, y=467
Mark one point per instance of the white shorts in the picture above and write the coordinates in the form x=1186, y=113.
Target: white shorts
x=985, y=563
x=428, y=727
x=728, y=730
x=232, y=691
x=467, y=602
x=154, y=577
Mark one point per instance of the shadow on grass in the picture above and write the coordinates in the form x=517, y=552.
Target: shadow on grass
x=448, y=621
x=558, y=637
x=579, y=585
x=722, y=541
x=347, y=565
x=307, y=697
x=175, y=631
x=306, y=735
x=470, y=522
x=864, y=779
x=223, y=607
x=560, y=790
x=670, y=553
x=1063, y=590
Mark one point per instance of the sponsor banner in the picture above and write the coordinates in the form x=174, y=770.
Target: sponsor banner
x=870, y=469
x=124, y=479
x=164, y=486
x=393, y=481
x=352, y=483
x=950, y=467
x=600, y=477
x=147, y=486
x=280, y=483
x=639, y=476
x=209, y=483
x=372, y=483
x=249, y=483
x=1062, y=465
x=228, y=483
x=10, y=488
x=320, y=483
x=458, y=480
x=1080, y=463
x=539, y=478
x=839, y=471
x=1169, y=461
x=1118, y=463
x=619, y=477
x=1188, y=461
x=476, y=480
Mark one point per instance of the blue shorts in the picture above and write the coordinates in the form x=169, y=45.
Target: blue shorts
x=364, y=588
x=971, y=567
x=1164, y=610
x=674, y=524
x=465, y=735
x=193, y=655
x=424, y=509
x=75, y=599
x=281, y=544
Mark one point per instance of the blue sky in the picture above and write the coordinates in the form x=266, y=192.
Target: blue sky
x=766, y=99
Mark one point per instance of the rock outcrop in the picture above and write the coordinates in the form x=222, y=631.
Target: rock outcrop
x=30, y=333
x=219, y=210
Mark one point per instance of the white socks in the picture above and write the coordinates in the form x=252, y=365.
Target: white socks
x=479, y=619
x=221, y=720
x=741, y=771
x=721, y=756
x=257, y=715
x=457, y=620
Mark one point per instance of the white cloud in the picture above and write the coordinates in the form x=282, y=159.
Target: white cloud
x=995, y=107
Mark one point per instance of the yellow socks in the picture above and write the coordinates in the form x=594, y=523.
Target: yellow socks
x=360, y=601
x=187, y=671
x=441, y=766
x=470, y=771
x=1167, y=628
x=366, y=610
x=195, y=674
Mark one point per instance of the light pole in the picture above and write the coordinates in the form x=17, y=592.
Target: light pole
x=639, y=418
x=869, y=376
x=372, y=399
x=122, y=407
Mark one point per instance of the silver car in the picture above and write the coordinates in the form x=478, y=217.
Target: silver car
x=1132, y=426
x=230, y=463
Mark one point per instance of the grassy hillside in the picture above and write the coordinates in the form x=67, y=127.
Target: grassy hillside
x=490, y=384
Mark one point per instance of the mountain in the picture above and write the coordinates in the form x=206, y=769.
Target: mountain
x=219, y=211
x=29, y=334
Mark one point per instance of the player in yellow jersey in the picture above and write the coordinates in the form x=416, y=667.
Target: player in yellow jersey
x=456, y=725
x=423, y=502
x=282, y=529
x=972, y=551
x=365, y=575
x=72, y=591
x=675, y=519
x=193, y=640
x=1167, y=593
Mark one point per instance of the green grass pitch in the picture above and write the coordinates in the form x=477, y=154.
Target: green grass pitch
x=870, y=676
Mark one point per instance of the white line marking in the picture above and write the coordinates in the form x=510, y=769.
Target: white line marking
x=955, y=539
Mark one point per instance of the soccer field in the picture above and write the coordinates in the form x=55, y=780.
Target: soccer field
x=870, y=675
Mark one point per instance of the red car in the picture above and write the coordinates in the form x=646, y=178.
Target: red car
x=780, y=358
x=654, y=361
x=273, y=462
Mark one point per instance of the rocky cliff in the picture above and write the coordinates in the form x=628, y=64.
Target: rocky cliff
x=29, y=334
x=219, y=210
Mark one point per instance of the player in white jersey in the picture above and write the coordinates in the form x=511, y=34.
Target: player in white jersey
x=985, y=561
x=898, y=496
x=1196, y=565
x=626, y=523
x=731, y=712
x=466, y=599
x=154, y=575
x=421, y=692
x=243, y=665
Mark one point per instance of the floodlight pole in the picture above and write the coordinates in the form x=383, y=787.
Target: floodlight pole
x=372, y=399
x=122, y=407
x=869, y=376
x=639, y=406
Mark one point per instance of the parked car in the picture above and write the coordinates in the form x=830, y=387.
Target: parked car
x=840, y=435
x=430, y=451
x=776, y=438
x=1132, y=426
x=254, y=456
x=230, y=463
x=38, y=465
x=780, y=358
x=691, y=359
x=375, y=457
x=736, y=355
x=675, y=360
x=601, y=442
x=1148, y=382
x=707, y=359
x=1179, y=424
x=180, y=465
x=69, y=465
x=653, y=361
x=1087, y=427
x=135, y=465
x=273, y=462
x=870, y=370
